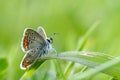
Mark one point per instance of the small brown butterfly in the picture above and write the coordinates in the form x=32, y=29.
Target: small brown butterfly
x=34, y=44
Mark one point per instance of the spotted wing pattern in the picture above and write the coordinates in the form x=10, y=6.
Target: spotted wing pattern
x=32, y=44
x=31, y=39
x=30, y=57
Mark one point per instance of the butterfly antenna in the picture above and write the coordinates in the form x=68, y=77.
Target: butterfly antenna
x=54, y=34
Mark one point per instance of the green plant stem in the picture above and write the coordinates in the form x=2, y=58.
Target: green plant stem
x=83, y=41
x=32, y=69
x=104, y=67
x=59, y=70
x=68, y=69
x=113, y=78
x=84, y=69
x=80, y=47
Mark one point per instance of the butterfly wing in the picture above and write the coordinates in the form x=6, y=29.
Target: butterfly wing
x=30, y=57
x=31, y=39
x=41, y=31
x=32, y=44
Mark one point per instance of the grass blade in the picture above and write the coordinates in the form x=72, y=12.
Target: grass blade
x=81, y=45
x=98, y=61
x=32, y=69
x=84, y=39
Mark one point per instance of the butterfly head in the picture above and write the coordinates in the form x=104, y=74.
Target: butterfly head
x=50, y=40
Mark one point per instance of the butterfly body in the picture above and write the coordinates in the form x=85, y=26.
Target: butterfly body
x=35, y=44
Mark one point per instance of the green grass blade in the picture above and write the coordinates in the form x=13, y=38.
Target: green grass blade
x=111, y=68
x=59, y=70
x=3, y=63
x=3, y=67
x=84, y=39
x=32, y=69
x=81, y=45
x=98, y=61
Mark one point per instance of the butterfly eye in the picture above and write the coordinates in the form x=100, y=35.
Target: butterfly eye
x=50, y=40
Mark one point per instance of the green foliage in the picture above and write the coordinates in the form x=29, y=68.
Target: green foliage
x=72, y=19
x=4, y=64
x=98, y=61
x=32, y=69
x=3, y=67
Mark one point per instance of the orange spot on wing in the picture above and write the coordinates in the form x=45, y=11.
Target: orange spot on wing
x=26, y=63
x=25, y=40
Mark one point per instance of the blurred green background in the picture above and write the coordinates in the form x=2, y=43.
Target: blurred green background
x=70, y=18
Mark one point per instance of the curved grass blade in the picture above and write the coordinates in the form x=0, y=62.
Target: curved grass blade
x=110, y=67
x=81, y=45
x=32, y=69
x=3, y=63
x=3, y=67
x=84, y=39
x=98, y=61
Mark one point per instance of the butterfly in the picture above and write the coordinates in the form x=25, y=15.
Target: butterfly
x=35, y=44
